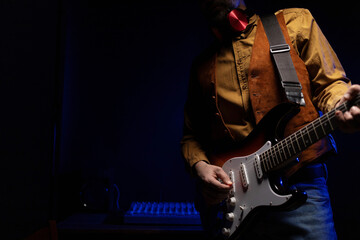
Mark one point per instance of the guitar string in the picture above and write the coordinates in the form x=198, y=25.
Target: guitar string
x=271, y=153
x=332, y=116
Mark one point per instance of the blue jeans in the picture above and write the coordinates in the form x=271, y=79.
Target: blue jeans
x=312, y=220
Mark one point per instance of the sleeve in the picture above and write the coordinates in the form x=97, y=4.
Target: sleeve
x=191, y=147
x=327, y=76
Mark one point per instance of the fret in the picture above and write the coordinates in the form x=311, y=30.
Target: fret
x=317, y=136
x=286, y=149
x=289, y=146
x=263, y=158
x=326, y=126
x=270, y=163
x=297, y=142
x=332, y=119
x=312, y=134
x=293, y=146
x=318, y=128
x=278, y=153
x=345, y=107
x=301, y=143
x=329, y=120
x=308, y=132
x=275, y=157
x=322, y=127
x=268, y=160
x=306, y=138
x=282, y=152
x=297, y=145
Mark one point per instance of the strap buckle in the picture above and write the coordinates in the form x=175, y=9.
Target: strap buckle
x=293, y=92
x=280, y=48
x=286, y=84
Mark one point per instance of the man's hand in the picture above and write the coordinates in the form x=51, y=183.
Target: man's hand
x=215, y=183
x=349, y=121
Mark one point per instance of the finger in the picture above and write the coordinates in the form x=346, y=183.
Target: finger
x=343, y=99
x=223, y=176
x=340, y=119
x=355, y=122
x=340, y=116
x=219, y=187
x=355, y=112
x=348, y=117
x=346, y=122
x=353, y=91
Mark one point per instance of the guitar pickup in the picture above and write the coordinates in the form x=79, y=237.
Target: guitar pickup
x=257, y=165
x=243, y=176
x=232, y=179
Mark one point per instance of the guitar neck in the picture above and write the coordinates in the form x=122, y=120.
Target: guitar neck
x=282, y=152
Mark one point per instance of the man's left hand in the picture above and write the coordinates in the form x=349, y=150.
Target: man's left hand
x=349, y=121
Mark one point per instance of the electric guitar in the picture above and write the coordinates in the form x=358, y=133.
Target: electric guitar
x=253, y=190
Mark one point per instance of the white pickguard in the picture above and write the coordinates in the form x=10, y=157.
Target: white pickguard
x=258, y=192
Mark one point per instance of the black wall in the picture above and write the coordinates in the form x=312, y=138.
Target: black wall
x=123, y=71
x=29, y=49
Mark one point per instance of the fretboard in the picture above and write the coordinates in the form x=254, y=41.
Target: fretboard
x=288, y=148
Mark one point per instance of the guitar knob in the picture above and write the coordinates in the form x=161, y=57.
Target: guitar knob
x=225, y=232
x=230, y=216
x=232, y=201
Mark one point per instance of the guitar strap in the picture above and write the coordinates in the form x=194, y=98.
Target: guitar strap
x=280, y=52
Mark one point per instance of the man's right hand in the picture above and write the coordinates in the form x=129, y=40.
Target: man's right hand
x=215, y=183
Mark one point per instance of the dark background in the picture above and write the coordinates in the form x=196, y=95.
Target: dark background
x=92, y=95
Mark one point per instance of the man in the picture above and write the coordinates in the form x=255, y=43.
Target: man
x=221, y=111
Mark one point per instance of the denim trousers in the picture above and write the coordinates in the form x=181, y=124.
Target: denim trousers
x=313, y=220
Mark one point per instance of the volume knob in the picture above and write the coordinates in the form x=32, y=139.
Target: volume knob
x=232, y=201
x=230, y=216
x=225, y=232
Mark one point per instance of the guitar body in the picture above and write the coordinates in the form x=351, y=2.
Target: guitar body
x=254, y=191
x=254, y=165
x=245, y=201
